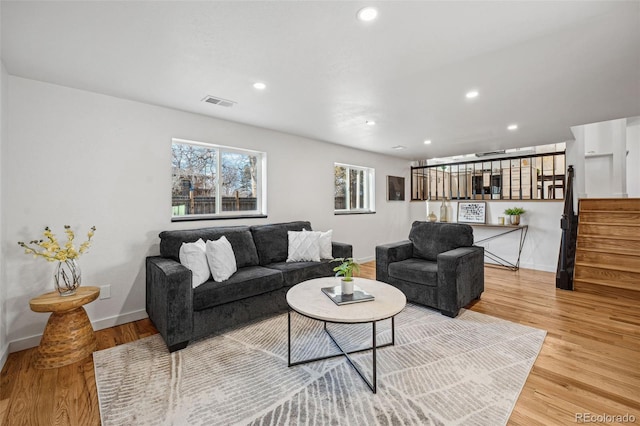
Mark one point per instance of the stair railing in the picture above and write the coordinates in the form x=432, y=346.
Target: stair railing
x=569, y=226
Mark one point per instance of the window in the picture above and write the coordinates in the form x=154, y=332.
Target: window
x=354, y=189
x=212, y=181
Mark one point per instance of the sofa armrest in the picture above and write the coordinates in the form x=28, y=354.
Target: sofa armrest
x=169, y=300
x=389, y=253
x=460, y=278
x=341, y=250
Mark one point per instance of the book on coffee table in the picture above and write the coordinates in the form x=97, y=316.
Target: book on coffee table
x=335, y=294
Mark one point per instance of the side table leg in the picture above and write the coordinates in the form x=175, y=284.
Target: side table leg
x=67, y=338
x=289, y=336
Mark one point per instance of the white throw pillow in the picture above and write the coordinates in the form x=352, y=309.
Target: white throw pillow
x=192, y=256
x=326, y=250
x=304, y=246
x=222, y=261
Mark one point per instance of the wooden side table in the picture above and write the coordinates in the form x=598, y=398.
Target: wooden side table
x=68, y=336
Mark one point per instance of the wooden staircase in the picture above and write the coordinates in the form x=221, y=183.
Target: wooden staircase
x=608, y=247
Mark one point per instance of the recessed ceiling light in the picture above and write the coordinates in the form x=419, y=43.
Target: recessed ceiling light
x=472, y=94
x=427, y=142
x=371, y=123
x=398, y=147
x=512, y=127
x=367, y=14
x=259, y=86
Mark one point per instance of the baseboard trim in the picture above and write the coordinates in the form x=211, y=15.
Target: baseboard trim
x=3, y=356
x=33, y=341
x=119, y=319
x=366, y=259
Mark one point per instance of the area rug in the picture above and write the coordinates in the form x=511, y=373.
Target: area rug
x=441, y=371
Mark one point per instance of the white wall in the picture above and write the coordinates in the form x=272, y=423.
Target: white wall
x=599, y=155
x=633, y=158
x=542, y=242
x=79, y=158
x=3, y=140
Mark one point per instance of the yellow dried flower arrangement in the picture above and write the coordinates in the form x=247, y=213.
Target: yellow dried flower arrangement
x=51, y=250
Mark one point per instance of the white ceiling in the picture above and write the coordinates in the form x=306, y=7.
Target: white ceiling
x=546, y=65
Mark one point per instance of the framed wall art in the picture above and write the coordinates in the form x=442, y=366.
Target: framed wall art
x=472, y=212
x=395, y=188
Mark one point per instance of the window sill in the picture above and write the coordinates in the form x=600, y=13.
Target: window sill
x=352, y=212
x=206, y=217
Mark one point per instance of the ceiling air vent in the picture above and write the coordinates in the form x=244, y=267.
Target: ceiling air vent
x=486, y=154
x=219, y=101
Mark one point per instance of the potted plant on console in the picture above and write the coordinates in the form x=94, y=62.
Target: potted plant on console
x=346, y=269
x=514, y=214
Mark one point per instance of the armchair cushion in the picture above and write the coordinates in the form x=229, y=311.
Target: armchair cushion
x=432, y=238
x=418, y=271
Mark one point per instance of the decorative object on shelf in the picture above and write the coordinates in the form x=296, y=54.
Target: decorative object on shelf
x=346, y=270
x=67, y=277
x=500, y=220
x=395, y=188
x=472, y=212
x=431, y=216
x=514, y=214
x=444, y=208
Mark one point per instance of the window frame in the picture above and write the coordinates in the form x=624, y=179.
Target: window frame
x=261, y=184
x=369, y=190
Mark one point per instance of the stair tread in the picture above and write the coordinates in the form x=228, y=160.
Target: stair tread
x=610, y=224
x=610, y=267
x=585, y=210
x=625, y=286
x=618, y=251
x=608, y=237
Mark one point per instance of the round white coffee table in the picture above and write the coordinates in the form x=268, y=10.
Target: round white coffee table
x=308, y=299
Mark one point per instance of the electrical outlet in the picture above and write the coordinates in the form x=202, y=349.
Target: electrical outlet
x=105, y=291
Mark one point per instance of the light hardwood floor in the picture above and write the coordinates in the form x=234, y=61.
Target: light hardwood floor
x=589, y=363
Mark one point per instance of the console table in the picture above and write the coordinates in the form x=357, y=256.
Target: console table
x=68, y=336
x=503, y=230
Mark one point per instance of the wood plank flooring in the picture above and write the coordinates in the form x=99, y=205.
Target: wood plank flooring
x=589, y=363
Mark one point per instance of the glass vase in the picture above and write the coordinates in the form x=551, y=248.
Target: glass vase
x=67, y=277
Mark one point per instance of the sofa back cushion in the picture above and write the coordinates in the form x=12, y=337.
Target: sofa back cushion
x=432, y=238
x=240, y=238
x=272, y=240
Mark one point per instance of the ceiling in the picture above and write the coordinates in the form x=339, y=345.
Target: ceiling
x=545, y=65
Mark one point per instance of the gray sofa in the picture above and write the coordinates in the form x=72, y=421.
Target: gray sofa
x=437, y=267
x=258, y=289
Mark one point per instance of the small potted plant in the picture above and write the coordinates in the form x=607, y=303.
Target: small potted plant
x=346, y=269
x=514, y=214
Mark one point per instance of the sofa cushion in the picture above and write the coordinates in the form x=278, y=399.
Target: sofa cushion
x=221, y=260
x=193, y=256
x=239, y=236
x=418, y=271
x=303, y=246
x=272, y=241
x=246, y=282
x=432, y=238
x=297, y=272
x=326, y=247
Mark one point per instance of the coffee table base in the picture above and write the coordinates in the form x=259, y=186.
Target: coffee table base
x=373, y=384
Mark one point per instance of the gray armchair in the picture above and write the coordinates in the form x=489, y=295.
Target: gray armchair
x=437, y=267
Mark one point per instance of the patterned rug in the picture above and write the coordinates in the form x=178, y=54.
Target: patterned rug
x=441, y=371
